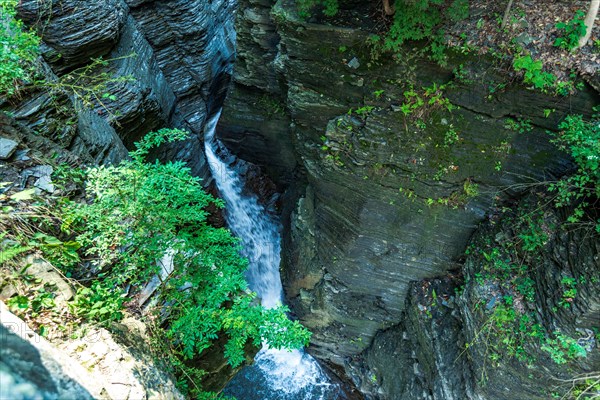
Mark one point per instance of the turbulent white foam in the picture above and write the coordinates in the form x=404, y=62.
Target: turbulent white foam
x=286, y=372
x=290, y=372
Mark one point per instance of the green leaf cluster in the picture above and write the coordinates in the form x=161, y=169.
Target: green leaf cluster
x=305, y=7
x=512, y=327
x=413, y=20
x=571, y=31
x=563, y=348
x=533, y=72
x=18, y=49
x=421, y=20
x=581, y=139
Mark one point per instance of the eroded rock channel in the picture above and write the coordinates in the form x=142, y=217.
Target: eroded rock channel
x=419, y=242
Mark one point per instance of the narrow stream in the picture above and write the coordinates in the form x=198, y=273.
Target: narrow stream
x=275, y=374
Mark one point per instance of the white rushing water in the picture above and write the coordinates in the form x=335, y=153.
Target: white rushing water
x=276, y=374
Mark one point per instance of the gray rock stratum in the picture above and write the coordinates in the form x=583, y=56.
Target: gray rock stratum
x=170, y=62
x=382, y=204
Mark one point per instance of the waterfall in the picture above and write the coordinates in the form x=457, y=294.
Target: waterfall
x=275, y=374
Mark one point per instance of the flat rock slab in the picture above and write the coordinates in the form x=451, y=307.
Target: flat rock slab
x=7, y=148
x=47, y=273
x=43, y=173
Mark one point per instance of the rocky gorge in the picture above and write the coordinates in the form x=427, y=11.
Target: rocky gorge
x=390, y=217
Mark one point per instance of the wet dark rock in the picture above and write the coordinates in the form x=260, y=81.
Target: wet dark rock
x=389, y=200
x=193, y=46
x=255, y=125
x=73, y=34
x=178, y=55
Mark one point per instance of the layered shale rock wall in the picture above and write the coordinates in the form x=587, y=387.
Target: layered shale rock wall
x=379, y=202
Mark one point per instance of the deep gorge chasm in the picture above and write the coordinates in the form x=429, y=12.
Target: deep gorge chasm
x=390, y=221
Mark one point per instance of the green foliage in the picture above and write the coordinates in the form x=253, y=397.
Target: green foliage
x=138, y=212
x=532, y=234
x=569, y=291
x=507, y=333
x=378, y=93
x=581, y=139
x=61, y=254
x=451, y=136
x=420, y=20
x=584, y=386
x=362, y=111
x=413, y=20
x=43, y=299
x=418, y=103
x=519, y=125
x=571, y=31
x=512, y=327
x=98, y=303
x=458, y=10
x=19, y=52
x=563, y=348
x=305, y=7
x=471, y=189
x=18, y=49
x=533, y=72
x=10, y=250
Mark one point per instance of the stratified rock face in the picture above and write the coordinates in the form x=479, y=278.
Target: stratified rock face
x=561, y=262
x=255, y=125
x=73, y=33
x=452, y=344
x=193, y=42
x=393, y=195
x=392, y=199
x=170, y=62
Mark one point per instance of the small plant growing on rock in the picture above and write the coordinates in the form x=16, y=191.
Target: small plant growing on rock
x=533, y=72
x=581, y=139
x=571, y=31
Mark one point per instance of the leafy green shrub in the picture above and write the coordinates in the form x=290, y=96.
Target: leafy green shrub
x=582, y=140
x=532, y=235
x=420, y=19
x=533, y=72
x=98, y=303
x=10, y=251
x=18, y=49
x=136, y=213
x=519, y=125
x=512, y=327
x=571, y=32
